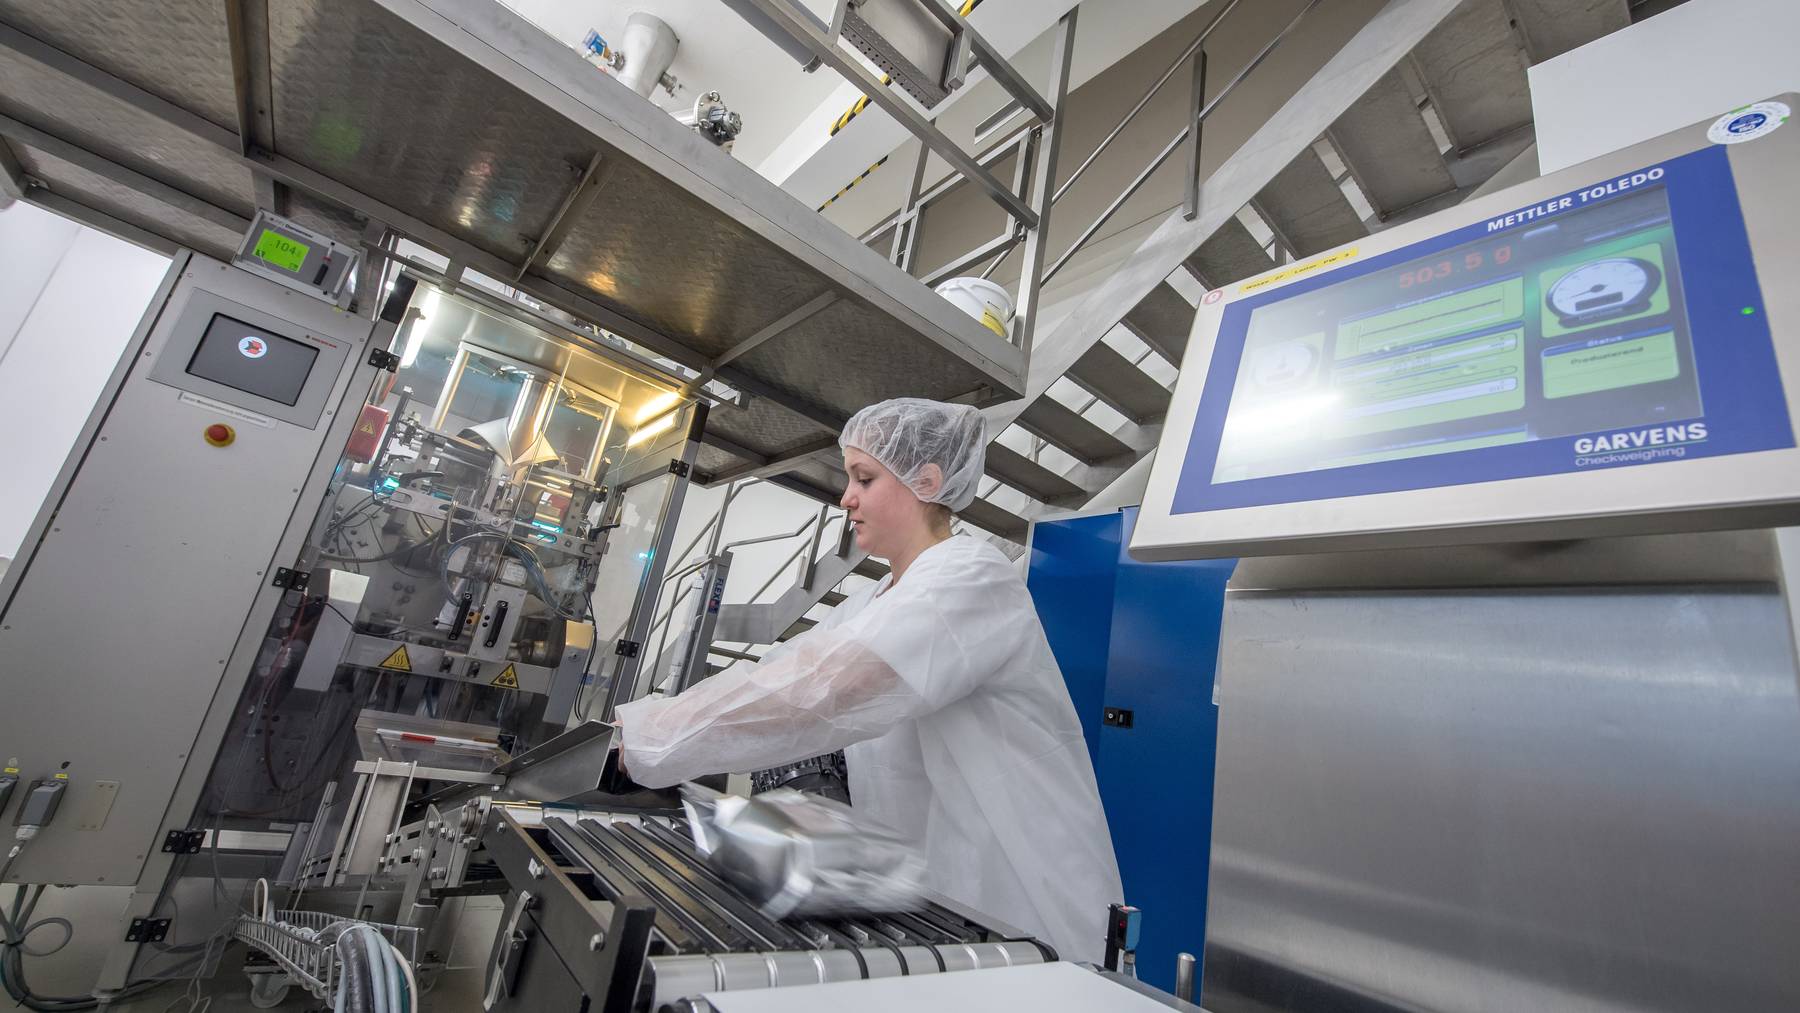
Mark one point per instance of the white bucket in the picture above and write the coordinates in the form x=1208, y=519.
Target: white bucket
x=981, y=299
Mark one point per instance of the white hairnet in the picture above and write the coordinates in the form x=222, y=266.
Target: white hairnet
x=908, y=433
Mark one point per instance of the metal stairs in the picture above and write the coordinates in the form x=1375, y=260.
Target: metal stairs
x=1420, y=108
x=1427, y=102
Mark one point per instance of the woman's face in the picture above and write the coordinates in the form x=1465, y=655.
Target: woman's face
x=884, y=512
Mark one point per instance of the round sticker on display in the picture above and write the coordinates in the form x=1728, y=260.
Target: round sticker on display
x=1212, y=297
x=1748, y=123
x=253, y=347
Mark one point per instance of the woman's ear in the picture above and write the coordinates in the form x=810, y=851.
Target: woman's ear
x=929, y=482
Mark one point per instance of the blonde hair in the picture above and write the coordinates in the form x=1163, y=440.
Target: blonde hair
x=939, y=517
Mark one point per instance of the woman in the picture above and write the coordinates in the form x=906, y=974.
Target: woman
x=938, y=684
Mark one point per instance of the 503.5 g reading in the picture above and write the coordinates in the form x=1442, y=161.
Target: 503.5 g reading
x=1474, y=260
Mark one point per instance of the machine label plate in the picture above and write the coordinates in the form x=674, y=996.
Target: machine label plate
x=221, y=408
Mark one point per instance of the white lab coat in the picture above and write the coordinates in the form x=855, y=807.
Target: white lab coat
x=958, y=730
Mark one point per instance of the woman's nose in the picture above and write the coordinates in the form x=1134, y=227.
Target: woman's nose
x=846, y=500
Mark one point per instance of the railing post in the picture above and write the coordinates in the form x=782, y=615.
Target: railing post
x=1043, y=185
x=811, y=562
x=906, y=226
x=1190, y=207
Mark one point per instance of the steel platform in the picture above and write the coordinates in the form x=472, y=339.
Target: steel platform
x=466, y=129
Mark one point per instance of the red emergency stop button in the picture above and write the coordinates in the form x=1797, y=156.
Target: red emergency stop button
x=220, y=435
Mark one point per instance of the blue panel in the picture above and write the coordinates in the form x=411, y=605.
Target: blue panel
x=1156, y=778
x=1071, y=581
x=1737, y=407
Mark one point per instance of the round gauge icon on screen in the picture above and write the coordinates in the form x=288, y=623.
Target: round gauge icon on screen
x=253, y=347
x=1603, y=288
x=1283, y=365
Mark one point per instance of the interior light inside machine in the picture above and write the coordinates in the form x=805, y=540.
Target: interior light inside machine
x=547, y=527
x=415, y=335
x=660, y=426
x=656, y=406
x=389, y=484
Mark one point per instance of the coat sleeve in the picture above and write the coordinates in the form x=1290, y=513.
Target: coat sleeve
x=926, y=644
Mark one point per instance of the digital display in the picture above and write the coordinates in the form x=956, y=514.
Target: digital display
x=1616, y=325
x=1573, y=326
x=252, y=360
x=281, y=251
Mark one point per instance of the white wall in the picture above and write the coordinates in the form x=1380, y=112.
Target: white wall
x=70, y=298
x=1682, y=66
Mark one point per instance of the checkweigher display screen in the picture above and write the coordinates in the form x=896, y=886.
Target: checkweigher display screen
x=1618, y=325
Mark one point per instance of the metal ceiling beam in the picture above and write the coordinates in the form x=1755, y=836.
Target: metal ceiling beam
x=13, y=183
x=100, y=220
x=805, y=409
x=116, y=88
x=775, y=328
x=826, y=49
x=247, y=29
x=780, y=465
x=56, y=147
x=737, y=450
x=567, y=212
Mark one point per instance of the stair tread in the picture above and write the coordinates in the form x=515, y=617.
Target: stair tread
x=1304, y=205
x=1389, y=148
x=1028, y=476
x=1231, y=254
x=1050, y=419
x=874, y=569
x=1112, y=378
x=800, y=626
x=995, y=519
x=1475, y=73
x=1162, y=321
x=834, y=598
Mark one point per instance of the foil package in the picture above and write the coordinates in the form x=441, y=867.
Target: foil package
x=794, y=854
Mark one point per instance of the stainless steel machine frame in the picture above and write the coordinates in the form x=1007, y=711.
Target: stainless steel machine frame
x=1733, y=490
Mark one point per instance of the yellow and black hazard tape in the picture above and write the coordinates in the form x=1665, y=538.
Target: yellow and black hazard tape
x=852, y=183
x=862, y=102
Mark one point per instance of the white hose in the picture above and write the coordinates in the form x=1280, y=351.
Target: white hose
x=412, y=983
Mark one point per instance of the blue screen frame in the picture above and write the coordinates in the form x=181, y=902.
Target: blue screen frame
x=1734, y=356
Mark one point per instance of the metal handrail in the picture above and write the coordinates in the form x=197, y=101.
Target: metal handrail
x=786, y=563
x=1174, y=144
x=1150, y=93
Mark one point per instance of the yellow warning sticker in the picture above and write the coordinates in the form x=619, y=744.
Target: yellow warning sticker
x=1297, y=270
x=62, y=776
x=10, y=770
x=397, y=661
x=507, y=679
x=366, y=428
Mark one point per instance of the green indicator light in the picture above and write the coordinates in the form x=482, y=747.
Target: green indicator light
x=274, y=248
x=1749, y=311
